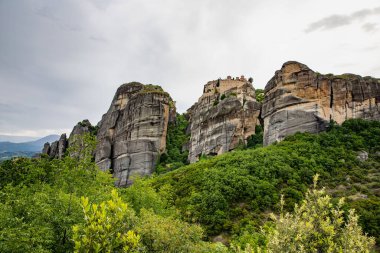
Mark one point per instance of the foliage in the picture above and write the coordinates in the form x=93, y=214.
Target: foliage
x=234, y=192
x=151, y=88
x=161, y=234
x=41, y=209
x=107, y=227
x=175, y=156
x=229, y=196
x=259, y=95
x=141, y=195
x=256, y=140
x=317, y=226
x=40, y=200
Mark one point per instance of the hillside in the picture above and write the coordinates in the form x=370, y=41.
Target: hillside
x=225, y=199
x=27, y=146
x=232, y=194
x=28, y=149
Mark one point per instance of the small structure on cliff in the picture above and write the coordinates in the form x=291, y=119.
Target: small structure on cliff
x=132, y=134
x=297, y=99
x=224, y=117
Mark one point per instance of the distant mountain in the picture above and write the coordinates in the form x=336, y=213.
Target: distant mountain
x=17, y=139
x=11, y=149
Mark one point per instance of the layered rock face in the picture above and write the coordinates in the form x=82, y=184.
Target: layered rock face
x=297, y=99
x=132, y=134
x=224, y=116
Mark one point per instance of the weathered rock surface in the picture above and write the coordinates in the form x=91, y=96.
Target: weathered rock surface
x=224, y=116
x=53, y=149
x=79, y=129
x=62, y=146
x=132, y=134
x=56, y=149
x=297, y=99
x=46, y=148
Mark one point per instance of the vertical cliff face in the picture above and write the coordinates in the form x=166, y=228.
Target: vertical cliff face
x=132, y=134
x=224, y=116
x=298, y=99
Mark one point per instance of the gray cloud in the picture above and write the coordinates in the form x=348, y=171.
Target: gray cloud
x=335, y=21
x=62, y=61
x=369, y=27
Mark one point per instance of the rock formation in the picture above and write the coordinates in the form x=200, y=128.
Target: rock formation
x=79, y=129
x=132, y=134
x=224, y=116
x=56, y=149
x=298, y=99
x=46, y=149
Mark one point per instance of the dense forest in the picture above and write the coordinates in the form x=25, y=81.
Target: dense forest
x=253, y=199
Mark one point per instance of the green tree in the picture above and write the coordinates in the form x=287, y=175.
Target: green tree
x=169, y=235
x=107, y=227
x=175, y=155
x=316, y=226
x=259, y=95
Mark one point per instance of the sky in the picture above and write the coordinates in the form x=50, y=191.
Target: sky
x=61, y=61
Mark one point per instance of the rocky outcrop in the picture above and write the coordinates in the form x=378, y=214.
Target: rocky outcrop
x=297, y=99
x=79, y=129
x=46, y=148
x=56, y=149
x=62, y=146
x=132, y=134
x=224, y=117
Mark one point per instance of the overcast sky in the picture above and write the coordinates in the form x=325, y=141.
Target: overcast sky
x=61, y=61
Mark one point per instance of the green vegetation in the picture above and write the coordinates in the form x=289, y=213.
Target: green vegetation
x=317, y=225
x=175, y=155
x=93, y=129
x=232, y=94
x=259, y=95
x=151, y=88
x=256, y=140
x=232, y=193
x=40, y=200
x=107, y=227
x=69, y=205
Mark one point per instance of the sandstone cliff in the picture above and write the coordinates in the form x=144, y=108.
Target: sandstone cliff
x=224, y=116
x=132, y=134
x=297, y=99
